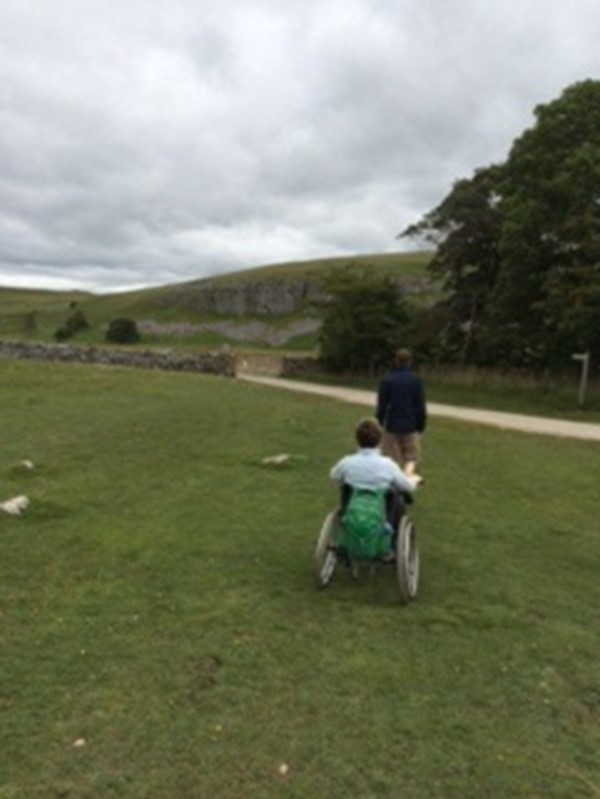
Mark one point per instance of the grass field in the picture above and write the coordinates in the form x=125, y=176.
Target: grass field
x=162, y=636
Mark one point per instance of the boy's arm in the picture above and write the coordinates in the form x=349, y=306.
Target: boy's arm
x=401, y=481
x=337, y=472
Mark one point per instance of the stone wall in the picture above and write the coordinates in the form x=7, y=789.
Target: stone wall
x=259, y=363
x=220, y=363
x=274, y=365
x=292, y=366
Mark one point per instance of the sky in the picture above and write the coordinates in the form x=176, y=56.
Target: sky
x=145, y=142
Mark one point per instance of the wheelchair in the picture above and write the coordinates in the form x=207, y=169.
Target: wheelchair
x=403, y=554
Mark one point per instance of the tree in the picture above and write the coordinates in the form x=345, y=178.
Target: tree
x=518, y=245
x=548, y=286
x=362, y=321
x=74, y=324
x=465, y=228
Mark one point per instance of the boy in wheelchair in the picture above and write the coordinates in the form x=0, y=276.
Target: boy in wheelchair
x=367, y=473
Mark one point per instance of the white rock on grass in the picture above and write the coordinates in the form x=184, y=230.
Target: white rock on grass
x=276, y=460
x=15, y=506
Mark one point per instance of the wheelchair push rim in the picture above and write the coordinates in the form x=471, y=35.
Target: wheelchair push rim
x=407, y=561
x=325, y=552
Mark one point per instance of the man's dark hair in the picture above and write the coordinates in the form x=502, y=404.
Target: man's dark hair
x=368, y=433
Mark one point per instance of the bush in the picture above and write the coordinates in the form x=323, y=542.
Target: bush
x=122, y=331
x=75, y=323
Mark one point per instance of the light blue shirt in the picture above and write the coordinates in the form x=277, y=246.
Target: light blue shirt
x=369, y=469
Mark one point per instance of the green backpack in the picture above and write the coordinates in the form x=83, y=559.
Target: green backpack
x=363, y=529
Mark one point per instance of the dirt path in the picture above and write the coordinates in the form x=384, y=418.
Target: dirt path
x=505, y=421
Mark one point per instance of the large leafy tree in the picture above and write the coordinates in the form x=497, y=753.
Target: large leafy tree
x=464, y=228
x=519, y=243
x=548, y=288
x=363, y=317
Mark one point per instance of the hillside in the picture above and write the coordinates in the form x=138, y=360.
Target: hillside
x=267, y=306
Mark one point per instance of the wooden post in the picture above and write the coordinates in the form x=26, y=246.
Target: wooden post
x=584, y=357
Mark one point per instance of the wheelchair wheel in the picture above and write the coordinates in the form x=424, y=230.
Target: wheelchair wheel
x=407, y=560
x=325, y=556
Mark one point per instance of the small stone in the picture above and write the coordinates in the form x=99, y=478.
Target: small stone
x=15, y=506
x=276, y=460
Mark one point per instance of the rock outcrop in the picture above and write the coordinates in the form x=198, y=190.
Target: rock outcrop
x=271, y=296
x=247, y=298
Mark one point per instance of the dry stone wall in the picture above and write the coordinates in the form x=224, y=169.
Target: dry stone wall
x=220, y=363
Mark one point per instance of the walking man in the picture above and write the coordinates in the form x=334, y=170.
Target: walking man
x=402, y=412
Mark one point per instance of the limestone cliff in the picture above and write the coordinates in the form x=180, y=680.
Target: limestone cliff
x=262, y=297
x=271, y=297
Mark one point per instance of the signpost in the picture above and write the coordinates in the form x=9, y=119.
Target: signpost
x=584, y=357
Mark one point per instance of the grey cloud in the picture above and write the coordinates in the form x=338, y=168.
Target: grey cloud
x=146, y=142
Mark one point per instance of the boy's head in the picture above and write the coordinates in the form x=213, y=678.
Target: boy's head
x=368, y=433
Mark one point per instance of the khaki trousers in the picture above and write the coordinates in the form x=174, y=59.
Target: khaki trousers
x=404, y=448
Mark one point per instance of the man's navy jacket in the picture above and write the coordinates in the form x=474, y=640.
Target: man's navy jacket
x=401, y=402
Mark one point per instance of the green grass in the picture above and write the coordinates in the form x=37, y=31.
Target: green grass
x=390, y=264
x=157, y=603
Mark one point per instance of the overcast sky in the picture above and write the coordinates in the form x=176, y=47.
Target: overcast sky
x=145, y=142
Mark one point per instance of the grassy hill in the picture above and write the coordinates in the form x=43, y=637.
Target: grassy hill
x=37, y=314
x=408, y=266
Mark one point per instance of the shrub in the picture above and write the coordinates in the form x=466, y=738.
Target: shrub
x=122, y=331
x=74, y=324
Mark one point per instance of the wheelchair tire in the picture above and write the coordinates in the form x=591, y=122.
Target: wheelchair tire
x=407, y=560
x=325, y=556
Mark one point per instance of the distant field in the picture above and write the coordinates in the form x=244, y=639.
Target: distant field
x=162, y=303
x=162, y=636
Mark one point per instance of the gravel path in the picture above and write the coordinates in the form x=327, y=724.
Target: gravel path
x=505, y=421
